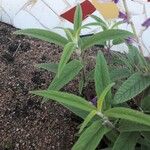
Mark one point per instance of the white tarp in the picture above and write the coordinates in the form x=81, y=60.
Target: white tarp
x=46, y=14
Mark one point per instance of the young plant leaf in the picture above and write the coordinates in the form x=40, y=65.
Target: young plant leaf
x=136, y=58
x=68, y=32
x=68, y=50
x=87, y=120
x=102, y=78
x=117, y=73
x=129, y=126
x=123, y=60
x=126, y=141
x=94, y=24
x=81, y=86
x=48, y=66
x=145, y=104
x=66, y=99
x=147, y=136
x=117, y=24
x=44, y=35
x=103, y=96
x=104, y=36
x=100, y=21
x=128, y=114
x=69, y=72
x=78, y=18
x=131, y=88
x=91, y=137
x=144, y=143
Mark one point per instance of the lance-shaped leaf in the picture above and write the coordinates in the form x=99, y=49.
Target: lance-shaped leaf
x=68, y=32
x=87, y=120
x=128, y=114
x=103, y=96
x=117, y=24
x=78, y=18
x=69, y=72
x=147, y=136
x=51, y=67
x=66, y=99
x=126, y=141
x=131, y=88
x=68, y=50
x=145, y=104
x=145, y=144
x=91, y=137
x=102, y=78
x=128, y=126
x=44, y=35
x=104, y=36
x=100, y=21
x=117, y=73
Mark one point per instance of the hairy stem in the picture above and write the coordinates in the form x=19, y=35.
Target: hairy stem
x=132, y=26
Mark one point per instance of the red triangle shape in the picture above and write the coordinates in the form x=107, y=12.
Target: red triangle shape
x=87, y=9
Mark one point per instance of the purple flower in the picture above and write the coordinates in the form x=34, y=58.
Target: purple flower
x=146, y=23
x=130, y=40
x=116, y=1
x=123, y=16
x=94, y=101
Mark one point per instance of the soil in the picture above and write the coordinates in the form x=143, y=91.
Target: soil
x=25, y=122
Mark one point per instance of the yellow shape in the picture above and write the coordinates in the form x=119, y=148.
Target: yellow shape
x=109, y=10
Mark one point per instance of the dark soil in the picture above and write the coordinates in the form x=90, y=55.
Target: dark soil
x=25, y=122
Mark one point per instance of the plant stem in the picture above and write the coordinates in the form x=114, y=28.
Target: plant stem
x=81, y=58
x=132, y=26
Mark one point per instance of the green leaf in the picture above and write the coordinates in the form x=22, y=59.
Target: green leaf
x=118, y=41
x=137, y=59
x=117, y=73
x=68, y=32
x=103, y=95
x=87, y=120
x=144, y=143
x=102, y=79
x=112, y=136
x=81, y=113
x=91, y=137
x=69, y=72
x=128, y=114
x=100, y=21
x=81, y=86
x=105, y=36
x=145, y=104
x=143, y=147
x=52, y=67
x=132, y=55
x=44, y=35
x=147, y=136
x=131, y=88
x=95, y=24
x=123, y=60
x=128, y=126
x=66, y=99
x=68, y=50
x=77, y=18
x=117, y=24
x=126, y=141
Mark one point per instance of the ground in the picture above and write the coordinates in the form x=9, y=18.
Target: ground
x=25, y=122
